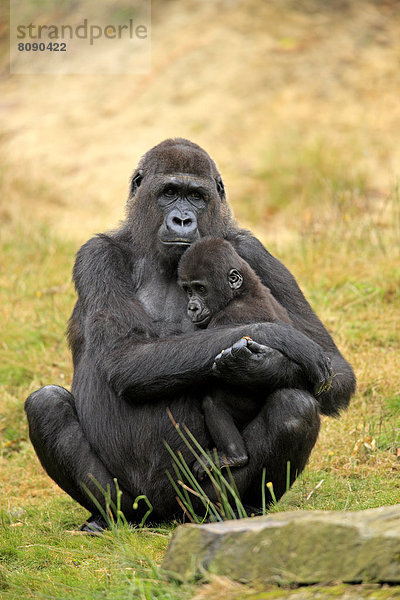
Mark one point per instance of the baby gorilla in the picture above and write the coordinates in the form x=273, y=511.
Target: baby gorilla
x=223, y=289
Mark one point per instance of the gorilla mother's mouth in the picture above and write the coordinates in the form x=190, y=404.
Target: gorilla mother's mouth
x=176, y=243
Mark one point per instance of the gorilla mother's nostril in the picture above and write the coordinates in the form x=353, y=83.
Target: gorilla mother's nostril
x=181, y=222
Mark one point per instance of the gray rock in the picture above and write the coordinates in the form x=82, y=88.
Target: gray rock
x=302, y=547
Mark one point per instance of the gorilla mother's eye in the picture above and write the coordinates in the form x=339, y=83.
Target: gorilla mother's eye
x=170, y=191
x=195, y=196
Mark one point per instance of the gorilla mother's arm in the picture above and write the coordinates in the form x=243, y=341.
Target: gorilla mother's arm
x=285, y=289
x=111, y=330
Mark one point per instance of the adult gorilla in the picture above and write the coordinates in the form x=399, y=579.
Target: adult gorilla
x=136, y=352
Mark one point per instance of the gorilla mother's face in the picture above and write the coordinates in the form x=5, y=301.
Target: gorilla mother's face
x=183, y=199
x=179, y=187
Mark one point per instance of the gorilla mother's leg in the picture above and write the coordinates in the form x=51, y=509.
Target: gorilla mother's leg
x=285, y=430
x=65, y=453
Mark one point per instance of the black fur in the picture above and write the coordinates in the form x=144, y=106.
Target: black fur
x=135, y=351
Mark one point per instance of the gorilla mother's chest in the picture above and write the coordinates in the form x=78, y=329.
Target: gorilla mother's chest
x=166, y=305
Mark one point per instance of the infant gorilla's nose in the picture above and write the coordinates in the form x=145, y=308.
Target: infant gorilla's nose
x=194, y=309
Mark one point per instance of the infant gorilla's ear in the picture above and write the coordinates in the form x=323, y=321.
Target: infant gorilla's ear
x=235, y=279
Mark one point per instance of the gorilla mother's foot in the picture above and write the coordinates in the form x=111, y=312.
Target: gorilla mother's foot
x=94, y=525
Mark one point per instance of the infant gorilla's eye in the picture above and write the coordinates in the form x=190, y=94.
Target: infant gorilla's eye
x=187, y=290
x=202, y=289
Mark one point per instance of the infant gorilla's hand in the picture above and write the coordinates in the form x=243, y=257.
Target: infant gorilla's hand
x=246, y=361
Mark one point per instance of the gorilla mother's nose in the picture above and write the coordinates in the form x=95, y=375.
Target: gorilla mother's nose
x=182, y=223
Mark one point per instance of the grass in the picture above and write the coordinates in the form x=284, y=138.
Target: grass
x=42, y=557
x=312, y=177
x=347, y=262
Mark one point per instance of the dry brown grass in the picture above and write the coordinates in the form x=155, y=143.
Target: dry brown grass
x=244, y=86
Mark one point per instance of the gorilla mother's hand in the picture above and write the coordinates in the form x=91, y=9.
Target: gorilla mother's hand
x=247, y=362
x=252, y=364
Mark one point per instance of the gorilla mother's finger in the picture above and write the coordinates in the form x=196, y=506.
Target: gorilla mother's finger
x=241, y=347
x=257, y=348
x=232, y=359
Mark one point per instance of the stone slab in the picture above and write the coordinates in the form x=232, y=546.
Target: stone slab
x=300, y=547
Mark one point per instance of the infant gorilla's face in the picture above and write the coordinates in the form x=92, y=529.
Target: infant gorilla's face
x=198, y=293
x=205, y=298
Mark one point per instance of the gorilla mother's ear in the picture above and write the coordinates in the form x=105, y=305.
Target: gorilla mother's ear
x=136, y=181
x=235, y=279
x=220, y=187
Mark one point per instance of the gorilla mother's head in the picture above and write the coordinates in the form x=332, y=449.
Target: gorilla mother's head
x=176, y=197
